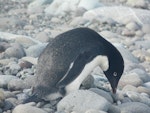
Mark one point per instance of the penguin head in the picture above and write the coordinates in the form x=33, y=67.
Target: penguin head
x=115, y=68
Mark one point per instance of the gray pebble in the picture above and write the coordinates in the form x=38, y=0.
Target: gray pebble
x=88, y=82
x=35, y=50
x=7, y=105
x=12, y=68
x=94, y=111
x=102, y=93
x=136, y=97
x=16, y=84
x=16, y=50
x=134, y=107
x=5, y=79
x=147, y=85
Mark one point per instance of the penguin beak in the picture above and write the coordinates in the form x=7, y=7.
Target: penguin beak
x=114, y=90
x=114, y=84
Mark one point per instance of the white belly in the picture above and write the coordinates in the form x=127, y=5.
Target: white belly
x=101, y=61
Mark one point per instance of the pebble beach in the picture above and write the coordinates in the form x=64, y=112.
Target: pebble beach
x=26, y=27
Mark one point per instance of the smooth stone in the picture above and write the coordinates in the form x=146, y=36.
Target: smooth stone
x=94, y=111
x=114, y=109
x=140, y=16
x=3, y=46
x=136, y=97
x=129, y=88
x=79, y=12
x=6, y=61
x=26, y=42
x=147, y=85
x=133, y=26
x=128, y=33
x=18, y=38
x=13, y=101
x=142, y=74
x=2, y=98
x=88, y=82
x=102, y=93
x=27, y=109
x=9, y=94
x=146, y=28
x=25, y=64
x=7, y=105
x=16, y=51
x=32, y=60
x=36, y=6
x=139, y=3
x=74, y=102
x=5, y=20
x=144, y=44
x=29, y=27
x=130, y=79
x=16, y=84
x=142, y=89
x=5, y=79
x=139, y=33
x=126, y=99
x=42, y=37
x=78, y=21
x=35, y=50
x=134, y=107
x=90, y=4
x=61, y=7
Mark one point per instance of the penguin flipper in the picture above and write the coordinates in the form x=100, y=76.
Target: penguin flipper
x=76, y=68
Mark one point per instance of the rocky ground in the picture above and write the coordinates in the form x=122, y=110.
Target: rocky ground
x=26, y=26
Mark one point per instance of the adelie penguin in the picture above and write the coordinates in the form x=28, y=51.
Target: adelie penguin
x=69, y=59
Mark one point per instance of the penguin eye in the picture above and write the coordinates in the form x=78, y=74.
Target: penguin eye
x=115, y=74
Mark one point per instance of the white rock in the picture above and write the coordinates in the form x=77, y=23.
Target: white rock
x=27, y=109
x=139, y=3
x=140, y=16
x=90, y=4
x=82, y=100
x=12, y=37
x=36, y=6
x=59, y=7
x=129, y=88
x=146, y=28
